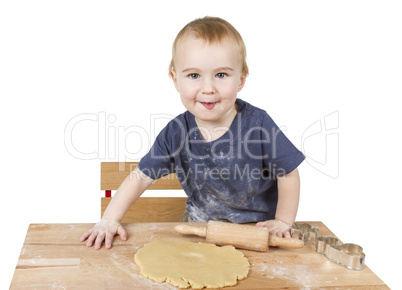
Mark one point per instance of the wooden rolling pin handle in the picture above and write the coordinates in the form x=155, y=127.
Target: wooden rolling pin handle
x=291, y=243
x=187, y=230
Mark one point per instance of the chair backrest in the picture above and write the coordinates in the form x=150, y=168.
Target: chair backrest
x=145, y=209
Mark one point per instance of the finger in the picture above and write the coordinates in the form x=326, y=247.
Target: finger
x=86, y=235
x=273, y=232
x=108, y=240
x=286, y=235
x=291, y=232
x=122, y=233
x=276, y=232
x=261, y=224
x=91, y=238
x=99, y=240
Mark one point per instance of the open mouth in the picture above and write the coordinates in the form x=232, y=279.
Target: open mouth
x=208, y=105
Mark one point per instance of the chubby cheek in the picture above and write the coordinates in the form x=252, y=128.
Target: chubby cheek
x=188, y=93
x=228, y=94
x=188, y=98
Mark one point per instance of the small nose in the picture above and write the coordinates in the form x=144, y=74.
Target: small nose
x=208, y=86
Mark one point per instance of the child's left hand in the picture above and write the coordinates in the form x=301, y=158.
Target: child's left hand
x=277, y=228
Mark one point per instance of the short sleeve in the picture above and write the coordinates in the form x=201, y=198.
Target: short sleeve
x=280, y=155
x=159, y=161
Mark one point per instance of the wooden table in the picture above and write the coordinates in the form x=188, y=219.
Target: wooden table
x=52, y=257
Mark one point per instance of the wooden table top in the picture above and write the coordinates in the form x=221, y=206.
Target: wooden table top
x=52, y=257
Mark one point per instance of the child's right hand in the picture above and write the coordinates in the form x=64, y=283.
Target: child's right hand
x=104, y=230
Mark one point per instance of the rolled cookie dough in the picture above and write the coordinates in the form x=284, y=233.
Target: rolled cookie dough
x=185, y=264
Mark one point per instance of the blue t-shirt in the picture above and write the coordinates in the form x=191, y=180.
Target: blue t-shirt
x=233, y=178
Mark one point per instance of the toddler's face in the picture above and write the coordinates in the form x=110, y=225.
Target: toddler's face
x=208, y=77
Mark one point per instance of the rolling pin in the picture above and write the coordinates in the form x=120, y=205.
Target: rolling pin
x=240, y=236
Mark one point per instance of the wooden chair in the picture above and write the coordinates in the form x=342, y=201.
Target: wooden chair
x=145, y=209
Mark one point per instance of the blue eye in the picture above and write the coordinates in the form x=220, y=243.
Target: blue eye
x=194, y=76
x=221, y=75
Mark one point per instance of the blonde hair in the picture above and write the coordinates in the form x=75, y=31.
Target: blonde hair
x=212, y=30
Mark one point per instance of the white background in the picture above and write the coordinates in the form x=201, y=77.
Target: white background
x=61, y=60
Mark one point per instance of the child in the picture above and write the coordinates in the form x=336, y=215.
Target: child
x=232, y=160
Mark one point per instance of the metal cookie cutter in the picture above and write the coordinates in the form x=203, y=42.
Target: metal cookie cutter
x=305, y=232
x=349, y=255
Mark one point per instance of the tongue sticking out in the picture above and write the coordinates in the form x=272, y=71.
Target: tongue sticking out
x=209, y=106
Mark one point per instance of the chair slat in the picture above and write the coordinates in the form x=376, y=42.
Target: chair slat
x=114, y=173
x=145, y=209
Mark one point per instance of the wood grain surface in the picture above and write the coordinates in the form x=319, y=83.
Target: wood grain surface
x=154, y=209
x=114, y=173
x=53, y=258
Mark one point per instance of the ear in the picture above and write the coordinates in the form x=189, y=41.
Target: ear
x=172, y=74
x=242, y=82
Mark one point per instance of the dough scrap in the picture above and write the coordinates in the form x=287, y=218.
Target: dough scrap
x=196, y=265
